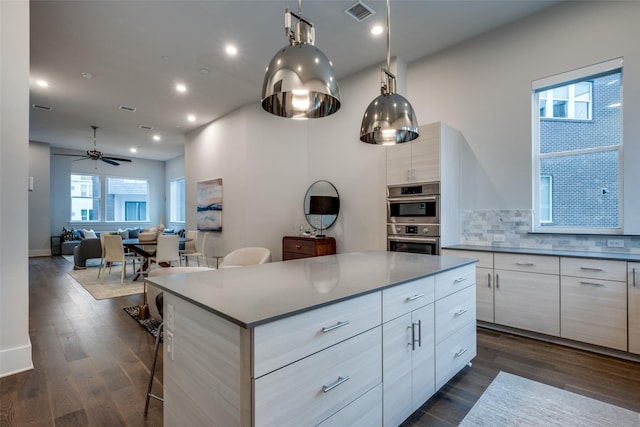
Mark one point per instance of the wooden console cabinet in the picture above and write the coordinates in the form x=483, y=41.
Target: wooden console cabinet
x=295, y=247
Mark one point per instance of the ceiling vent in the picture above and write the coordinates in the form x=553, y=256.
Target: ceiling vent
x=359, y=11
x=126, y=108
x=145, y=127
x=42, y=107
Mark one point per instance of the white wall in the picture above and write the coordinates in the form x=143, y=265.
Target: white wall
x=39, y=200
x=15, y=345
x=267, y=163
x=483, y=88
x=63, y=166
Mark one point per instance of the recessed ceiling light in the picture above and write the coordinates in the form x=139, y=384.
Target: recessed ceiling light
x=42, y=83
x=191, y=118
x=133, y=149
x=87, y=75
x=377, y=30
x=180, y=87
x=204, y=70
x=156, y=137
x=231, y=50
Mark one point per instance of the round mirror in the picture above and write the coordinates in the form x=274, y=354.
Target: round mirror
x=321, y=205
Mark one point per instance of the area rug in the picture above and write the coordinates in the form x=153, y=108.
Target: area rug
x=150, y=324
x=108, y=286
x=511, y=400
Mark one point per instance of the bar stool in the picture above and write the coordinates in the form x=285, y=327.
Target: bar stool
x=157, y=314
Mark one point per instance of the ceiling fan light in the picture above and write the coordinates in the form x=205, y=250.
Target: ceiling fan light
x=299, y=81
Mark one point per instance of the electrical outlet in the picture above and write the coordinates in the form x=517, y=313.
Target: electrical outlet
x=170, y=317
x=169, y=344
x=498, y=237
x=615, y=243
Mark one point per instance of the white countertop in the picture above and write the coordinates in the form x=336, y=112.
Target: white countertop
x=254, y=295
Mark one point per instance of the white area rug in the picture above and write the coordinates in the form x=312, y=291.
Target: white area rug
x=511, y=400
x=108, y=286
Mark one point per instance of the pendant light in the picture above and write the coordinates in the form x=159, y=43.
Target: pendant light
x=299, y=82
x=390, y=118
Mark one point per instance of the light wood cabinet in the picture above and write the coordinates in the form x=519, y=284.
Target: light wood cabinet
x=484, y=281
x=633, y=304
x=415, y=161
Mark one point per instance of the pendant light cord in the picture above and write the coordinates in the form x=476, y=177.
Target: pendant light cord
x=388, y=35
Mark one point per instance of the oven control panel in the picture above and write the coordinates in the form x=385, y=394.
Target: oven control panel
x=430, y=230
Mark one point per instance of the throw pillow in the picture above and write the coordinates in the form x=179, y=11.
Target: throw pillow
x=67, y=234
x=89, y=234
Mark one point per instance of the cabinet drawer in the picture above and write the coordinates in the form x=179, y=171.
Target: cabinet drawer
x=455, y=280
x=594, y=268
x=530, y=263
x=279, y=343
x=594, y=311
x=485, y=259
x=313, y=389
x=455, y=312
x=366, y=411
x=454, y=353
x=299, y=246
x=402, y=299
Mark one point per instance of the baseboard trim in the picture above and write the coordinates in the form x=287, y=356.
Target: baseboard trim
x=39, y=252
x=15, y=360
x=561, y=341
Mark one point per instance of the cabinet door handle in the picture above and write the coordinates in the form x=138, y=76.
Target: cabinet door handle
x=340, y=380
x=413, y=335
x=336, y=326
x=591, y=269
x=459, y=280
x=415, y=297
x=591, y=283
x=525, y=264
x=460, y=352
x=408, y=174
x=633, y=273
x=488, y=280
x=298, y=246
x=497, y=281
x=459, y=312
x=413, y=174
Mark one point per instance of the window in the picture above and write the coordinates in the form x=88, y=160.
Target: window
x=577, y=151
x=127, y=199
x=177, y=200
x=85, y=198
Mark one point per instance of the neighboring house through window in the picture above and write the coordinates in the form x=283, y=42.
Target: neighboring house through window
x=577, y=150
x=177, y=200
x=127, y=199
x=85, y=198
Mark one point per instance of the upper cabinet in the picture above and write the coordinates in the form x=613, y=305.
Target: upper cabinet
x=416, y=161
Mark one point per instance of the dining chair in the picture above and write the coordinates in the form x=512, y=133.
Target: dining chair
x=190, y=245
x=113, y=251
x=246, y=256
x=167, y=250
x=154, y=296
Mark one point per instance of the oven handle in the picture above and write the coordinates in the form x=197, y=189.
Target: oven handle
x=412, y=239
x=412, y=199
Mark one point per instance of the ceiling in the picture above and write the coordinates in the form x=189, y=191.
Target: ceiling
x=99, y=55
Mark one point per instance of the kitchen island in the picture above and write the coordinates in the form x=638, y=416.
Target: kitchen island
x=316, y=341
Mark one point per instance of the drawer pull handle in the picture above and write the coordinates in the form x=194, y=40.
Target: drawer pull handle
x=460, y=353
x=591, y=283
x=497, y=281
x=298, y=246
x=526, y=264
x=591, y=269
x=488, y=280
x=336, y=326
x=340, y=380
x=459, y=280
x=415, y=297
x=634, y=277
x=459, y=312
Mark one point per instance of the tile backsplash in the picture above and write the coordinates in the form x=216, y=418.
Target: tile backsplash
x=512, y=229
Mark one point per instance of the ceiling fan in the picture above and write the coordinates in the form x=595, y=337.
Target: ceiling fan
x=97, y=155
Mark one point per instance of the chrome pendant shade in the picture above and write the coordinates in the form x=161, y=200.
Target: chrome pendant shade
x=299, y=82
x=389, y=119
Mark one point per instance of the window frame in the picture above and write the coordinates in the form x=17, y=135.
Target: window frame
x=97, y=212
x=147, y=201
x=564, y=79
x=173, y=203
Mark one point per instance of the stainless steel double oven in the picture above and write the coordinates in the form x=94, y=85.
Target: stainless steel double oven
x=413, y=218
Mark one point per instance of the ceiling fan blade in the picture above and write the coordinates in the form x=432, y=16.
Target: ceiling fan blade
x=111, y=162
x=71, y=155
x=82, y=158
x=117, y=158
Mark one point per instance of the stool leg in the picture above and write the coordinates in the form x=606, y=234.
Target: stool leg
x=153, y=371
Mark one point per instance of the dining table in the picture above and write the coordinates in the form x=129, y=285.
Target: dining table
x=142, y=248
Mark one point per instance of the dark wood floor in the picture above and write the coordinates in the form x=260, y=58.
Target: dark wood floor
x=91, y=364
